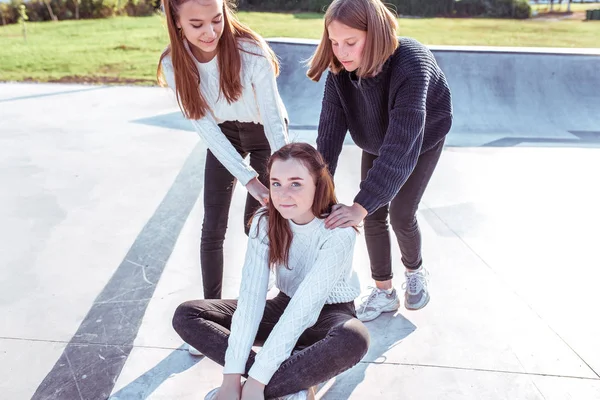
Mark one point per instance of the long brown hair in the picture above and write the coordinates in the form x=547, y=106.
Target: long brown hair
x=371, y=16
x=279, y=232
x=187, y=79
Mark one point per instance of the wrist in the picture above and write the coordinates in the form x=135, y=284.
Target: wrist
x=232, y=378
x=361, y=209
x=254, y=384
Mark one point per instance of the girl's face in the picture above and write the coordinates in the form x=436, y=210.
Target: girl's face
x=347, y=43
x=202, y=24
x=292, y=190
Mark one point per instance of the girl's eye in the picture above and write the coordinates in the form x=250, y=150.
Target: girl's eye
x=196, y=26
x=217, y=22
x=275, y=184
x=351, y=44
x=296, y=184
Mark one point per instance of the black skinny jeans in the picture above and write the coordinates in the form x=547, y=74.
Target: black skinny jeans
x=248, y=139
x=402, y=211
x=335, y=343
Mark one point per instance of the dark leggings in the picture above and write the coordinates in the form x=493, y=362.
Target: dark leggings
x=403, y=215
x=248, y=139
x=335, y=343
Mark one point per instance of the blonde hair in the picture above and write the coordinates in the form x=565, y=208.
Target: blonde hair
x=229, y=60
x=371, y=16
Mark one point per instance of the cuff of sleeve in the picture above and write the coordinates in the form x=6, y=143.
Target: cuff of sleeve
x=235, y=367
x=263, y=374
x=368, y=201
x=248, y=175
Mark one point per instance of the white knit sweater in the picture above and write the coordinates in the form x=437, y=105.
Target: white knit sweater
x=320, y=272
x=260, y=103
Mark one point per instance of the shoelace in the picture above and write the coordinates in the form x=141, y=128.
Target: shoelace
x=415, y=282
x=370, y=297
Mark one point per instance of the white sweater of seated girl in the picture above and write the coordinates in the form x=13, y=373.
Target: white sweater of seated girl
x=319, y=272
x=259, y=103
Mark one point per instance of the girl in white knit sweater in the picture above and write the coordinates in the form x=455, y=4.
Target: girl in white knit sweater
x=223, y=75
x=314, y=310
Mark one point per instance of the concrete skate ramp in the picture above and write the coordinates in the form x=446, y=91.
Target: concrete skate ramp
x=501, y=97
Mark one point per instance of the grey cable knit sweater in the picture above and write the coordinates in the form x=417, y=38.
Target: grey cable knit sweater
x=400, y=113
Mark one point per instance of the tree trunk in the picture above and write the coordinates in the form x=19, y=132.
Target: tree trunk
x=47, y=2
x=76, y=9
x=3, y=19
x=568, y=5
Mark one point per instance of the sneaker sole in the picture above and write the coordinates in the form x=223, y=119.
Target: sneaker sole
x=418, y=306
x=394, y=307
x=212, y=394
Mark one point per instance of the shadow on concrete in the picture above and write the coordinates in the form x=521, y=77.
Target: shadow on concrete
x=141, y=388
x=386, y=332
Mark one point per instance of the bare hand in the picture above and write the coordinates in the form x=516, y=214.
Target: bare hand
x=344, y=216
x=258, y=191
x=253, y=390
x=231, y=388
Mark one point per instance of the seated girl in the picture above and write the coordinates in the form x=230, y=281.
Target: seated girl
x=314, y=310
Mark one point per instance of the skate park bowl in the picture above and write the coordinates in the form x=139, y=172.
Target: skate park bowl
x=501, y=96
x=102, y=210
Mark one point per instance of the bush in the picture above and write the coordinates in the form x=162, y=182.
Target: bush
x=522, y=9
x=402, y=7
x=469, y=8
x=140, y=8
x=9, y=14
x=38, y=11
x=283, y=5
x=519, y=9
x=65, y=9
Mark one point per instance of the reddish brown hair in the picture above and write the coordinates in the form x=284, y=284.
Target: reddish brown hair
x=187, y=79
x=279, y=233
x=371, y=16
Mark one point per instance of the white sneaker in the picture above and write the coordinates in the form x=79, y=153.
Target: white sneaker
x=212, y=394
x=417, y=293
x=193, y=351
x=307, y=394
x=376, y=303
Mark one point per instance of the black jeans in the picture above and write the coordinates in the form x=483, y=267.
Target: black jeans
x=248, y=139
x=335, y=343
x=402, y=211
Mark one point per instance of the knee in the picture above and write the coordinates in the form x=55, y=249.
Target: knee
x=404, y=222
x=214, y=223
x=355, y=336
x=212, y=237
x=374, y=226
x=182, y=316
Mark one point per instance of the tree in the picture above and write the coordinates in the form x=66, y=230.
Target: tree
x=77, y=2
x=47, y=2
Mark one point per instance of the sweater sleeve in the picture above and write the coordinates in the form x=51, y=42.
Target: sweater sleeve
x=401, y=146
x=269, y=103
x=332, y=125
x=306, y=304
x=252, y=299
x=210, y=133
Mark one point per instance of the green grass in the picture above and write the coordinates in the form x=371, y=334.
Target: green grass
x=126, y=50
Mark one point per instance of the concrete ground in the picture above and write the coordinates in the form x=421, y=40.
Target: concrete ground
x=101, y=209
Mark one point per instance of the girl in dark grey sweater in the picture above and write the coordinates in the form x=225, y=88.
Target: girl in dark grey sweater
x=394, y=99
